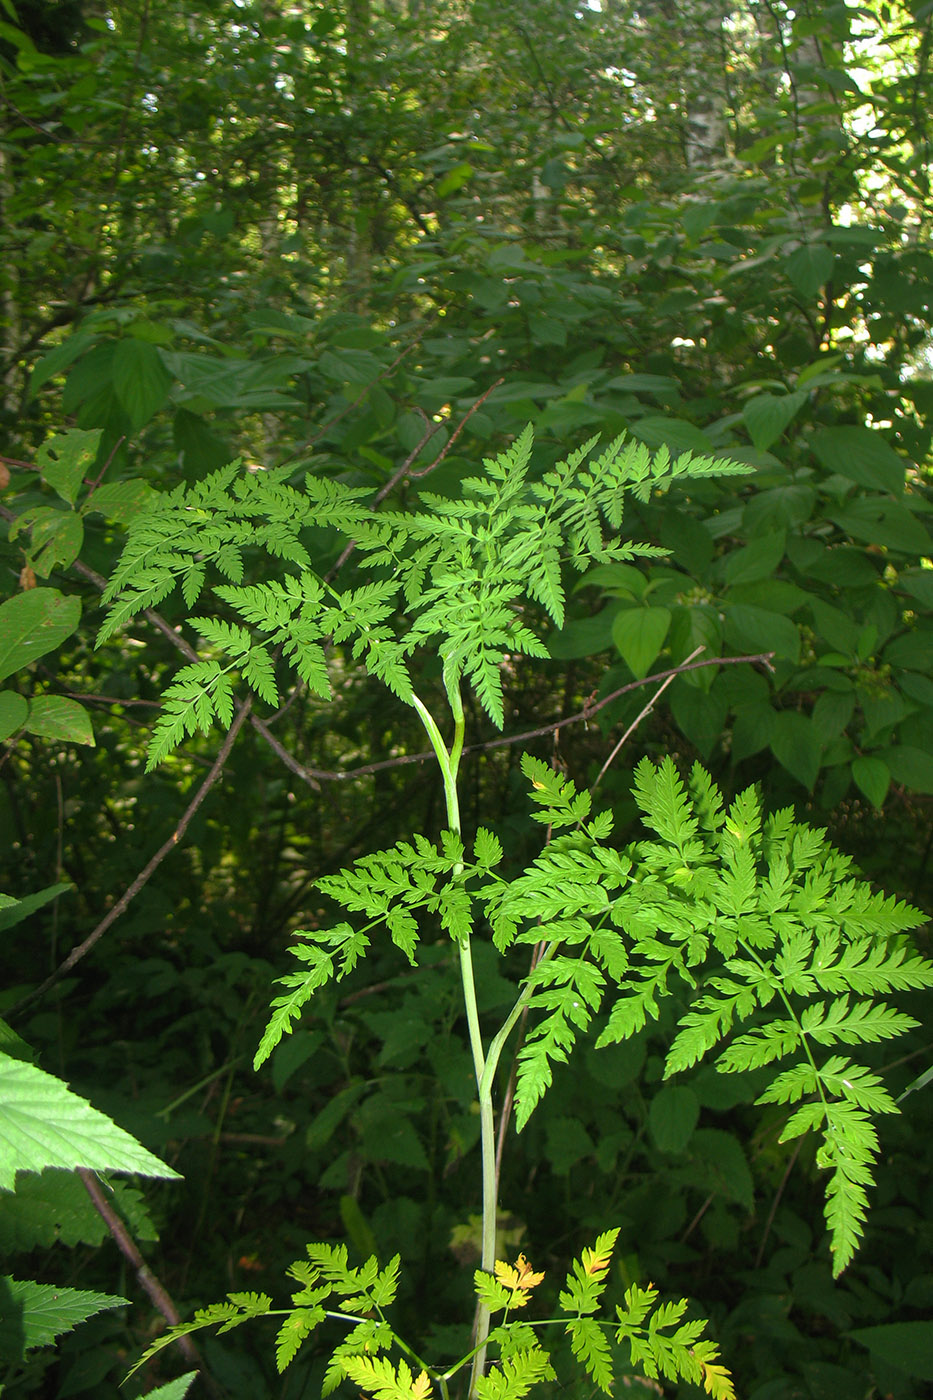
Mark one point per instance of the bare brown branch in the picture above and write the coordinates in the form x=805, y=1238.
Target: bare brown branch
x=156, y=1290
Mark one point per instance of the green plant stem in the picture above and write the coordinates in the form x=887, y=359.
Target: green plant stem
x=505, y=1030
x=449, y=762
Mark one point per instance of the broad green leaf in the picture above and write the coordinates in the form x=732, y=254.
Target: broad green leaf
x=291, y=1054
x=507, y=255
x=32, y=624
x=517, y=391
x=140, y=379
x=55, y=537
x=676, y=433
x=873, y=777
x=322, y=1128
x=797, y=747
x=917, y=687
x=689, y=542
x=347, y=366
x=756, y=560
x=202, y=450
x=772, y=594
x=842, y=565
x=659, y=384
x=34, y=1314
x=919, y=584
x=454, y=179
x=59, y=717
x=908, y=765
x=66, y=459
x=585, y=636
x=752, y=728
x=672, y=1117
x=43, y=1124
x=860, y=454
x=700, y=715
x=832, y=713
x=718, y=1163
x=908, y=1346
x=120, y=500
x=13, y=711
x=568, y=1142
x=881, y=710
x=616, y=1065
x=57, y=360
x=13, y=911
x=639, y=635
x=810, y=267
x=767, y=415
x=234, y=383
x=835, y=626
x=879, y=521
x=784, y=506
x=822, y=370
x=912, y=650
x=618, y=580
x=268, y=321
x=751, y=629
x=693, y=627
x=46, y=1207
x=11, y=1043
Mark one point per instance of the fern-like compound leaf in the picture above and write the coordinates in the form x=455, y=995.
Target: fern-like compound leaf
x=759, y=924
x=459, y=577
x=662, y=1344
x=329, y=955
x=239, y=1308
x=514, y=1375
x=588, y=1276
x=591, y=1348
x=200, y=693
x=381, y=1379
x=365, y=1339
x=294, y=1330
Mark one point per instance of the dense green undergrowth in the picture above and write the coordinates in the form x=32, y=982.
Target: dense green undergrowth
x=736, y=920
x=366, y=244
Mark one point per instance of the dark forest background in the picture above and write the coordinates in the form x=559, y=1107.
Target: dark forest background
x=350, y=236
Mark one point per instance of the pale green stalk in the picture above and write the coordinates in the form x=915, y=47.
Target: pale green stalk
x=449, y=762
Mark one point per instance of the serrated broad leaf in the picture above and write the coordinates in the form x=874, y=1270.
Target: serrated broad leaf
x=35, y=1314
x=43, y=1124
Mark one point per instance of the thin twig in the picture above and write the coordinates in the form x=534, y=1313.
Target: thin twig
x=93, y=485
x=698, y=1217
x=426, y=437
x=642, y=714
x=148, y=870
x=777, y=1201
x=405, y=469
x=158, y=1294
x=455, y=434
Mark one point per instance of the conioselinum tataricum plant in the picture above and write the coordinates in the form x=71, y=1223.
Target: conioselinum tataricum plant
x=781, y=954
